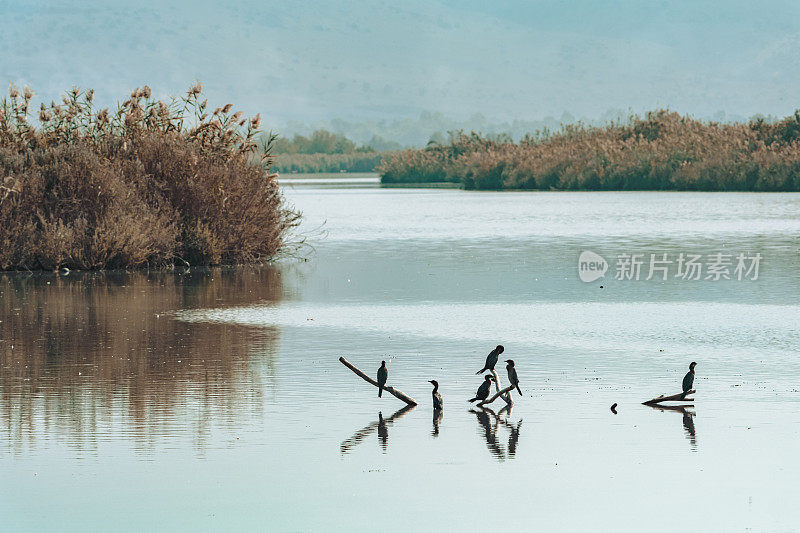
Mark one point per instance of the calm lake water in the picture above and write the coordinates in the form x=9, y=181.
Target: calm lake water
x=209, y=400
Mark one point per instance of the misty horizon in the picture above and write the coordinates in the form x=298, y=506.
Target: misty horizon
x=310, y=65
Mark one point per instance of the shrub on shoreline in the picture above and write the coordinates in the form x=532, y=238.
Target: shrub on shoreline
x=148, y=185
x=661, y=151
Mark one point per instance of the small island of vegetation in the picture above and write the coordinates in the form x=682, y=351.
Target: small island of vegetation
x=152, y=184
x=661, y=151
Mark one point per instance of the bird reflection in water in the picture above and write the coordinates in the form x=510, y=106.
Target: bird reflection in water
x=381, y=425
x=437, y=419
x=490, y=422
x=383, y=432
x=688, y=421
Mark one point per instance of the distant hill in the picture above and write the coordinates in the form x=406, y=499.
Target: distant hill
x=371, y=62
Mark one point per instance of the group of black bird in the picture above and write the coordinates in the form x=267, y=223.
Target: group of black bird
x=483, y=390
x=486, y=386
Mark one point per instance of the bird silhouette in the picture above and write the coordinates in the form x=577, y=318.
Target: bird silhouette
x=483, y=390
x=491, y=359
x=512, y=375
x=688, y=379
x=437, y=398
x=383, y=375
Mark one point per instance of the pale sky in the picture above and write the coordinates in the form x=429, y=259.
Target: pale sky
x=314, y=60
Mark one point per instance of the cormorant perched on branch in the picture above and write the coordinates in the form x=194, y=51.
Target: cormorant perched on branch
x=491, y=359
x=437, y=398
x=383, y=375
x=483, y=390
x=512, y=375
x=688, y=379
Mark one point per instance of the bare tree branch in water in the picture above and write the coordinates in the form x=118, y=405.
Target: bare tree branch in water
x=499, y=393
x=680, y=397
x=391, y=390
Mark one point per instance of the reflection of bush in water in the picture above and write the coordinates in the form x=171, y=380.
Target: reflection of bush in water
x=87, y=348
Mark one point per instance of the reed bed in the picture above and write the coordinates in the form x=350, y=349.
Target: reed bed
x=150, y=184
x=660, y=151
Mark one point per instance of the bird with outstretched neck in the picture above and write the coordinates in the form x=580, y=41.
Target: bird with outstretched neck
x=437, y=398
x=512, y=374
x=491, y=359
x=688, y=379
x=483, y=390
x=383, y=375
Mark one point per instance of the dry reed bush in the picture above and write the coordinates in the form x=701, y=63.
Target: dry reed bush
x=661, y=151
x=149, y=184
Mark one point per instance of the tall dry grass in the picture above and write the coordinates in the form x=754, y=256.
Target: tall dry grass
x=660, y=151
x=150, y=184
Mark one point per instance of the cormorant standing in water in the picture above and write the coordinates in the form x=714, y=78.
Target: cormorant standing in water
x=437, y=398
x=512, y=375
x=483, y=390
x=383, y=375
x=491, y=359
x=688, y=379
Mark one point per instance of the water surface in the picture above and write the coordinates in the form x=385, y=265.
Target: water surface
x=215, y=400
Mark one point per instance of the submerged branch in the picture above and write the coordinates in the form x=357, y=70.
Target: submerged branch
x=680, y=397
x=505, y=393
x=391, y=390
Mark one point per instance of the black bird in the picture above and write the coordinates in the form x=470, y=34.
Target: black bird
x=688, y=379
x=483, y=390
x=437, y=398
x=491, y=359
x=512, y=375
x=383, y=375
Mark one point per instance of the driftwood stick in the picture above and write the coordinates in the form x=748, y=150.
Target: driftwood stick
x=497, y=395
x=681, y=397
x=505, y=395
x=391, y=390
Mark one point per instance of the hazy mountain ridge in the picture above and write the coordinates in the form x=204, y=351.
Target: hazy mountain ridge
x=310, y=62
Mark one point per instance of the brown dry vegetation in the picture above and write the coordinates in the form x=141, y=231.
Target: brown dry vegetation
x=148, y=185
x=661, y=151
